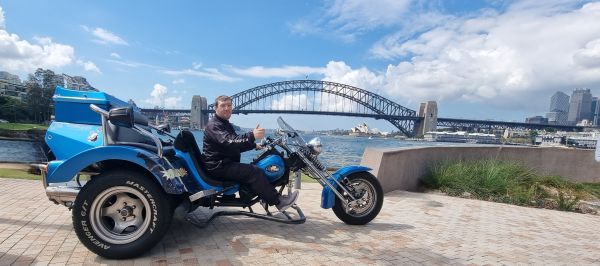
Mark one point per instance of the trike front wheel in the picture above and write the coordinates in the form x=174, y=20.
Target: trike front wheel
x=366, y=189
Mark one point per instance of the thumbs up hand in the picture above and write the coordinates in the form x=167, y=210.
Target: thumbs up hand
x=258, y=132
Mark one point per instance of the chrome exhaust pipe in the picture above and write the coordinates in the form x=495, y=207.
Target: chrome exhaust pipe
x=62, y=195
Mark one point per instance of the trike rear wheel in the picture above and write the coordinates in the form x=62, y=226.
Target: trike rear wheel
x=121, y=214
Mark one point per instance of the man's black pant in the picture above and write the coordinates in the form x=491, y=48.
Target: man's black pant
x=250, y=176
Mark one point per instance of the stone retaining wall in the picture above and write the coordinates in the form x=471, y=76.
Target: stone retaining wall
x=402, y=168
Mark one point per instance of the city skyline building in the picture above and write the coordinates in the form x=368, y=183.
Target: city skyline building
x=559, y=108
x=594, y=117
x=11, y=86
x=580, y=106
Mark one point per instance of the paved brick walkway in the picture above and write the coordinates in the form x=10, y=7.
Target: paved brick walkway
x=413, y=228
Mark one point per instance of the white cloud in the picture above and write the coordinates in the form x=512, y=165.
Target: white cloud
x=105, y=37
x=159, y=91
x=196, y=65
x=508, y=58
x=115, y=55
x=173, y=102
x=358, y=14
x=210, y=73
x=290, y=102
x=132, y=64
x=362, y=78
x=346, y=19
x=589, y=56
x=2, y=23
x=159, y=97
x=277, y=72
x=317, y=102
x=20, y=55
x=178, y=81
x=89, y=66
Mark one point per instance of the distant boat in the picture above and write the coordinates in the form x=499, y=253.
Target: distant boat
x=370, y=137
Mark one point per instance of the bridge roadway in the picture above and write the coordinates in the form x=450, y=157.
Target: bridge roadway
x=441, y=122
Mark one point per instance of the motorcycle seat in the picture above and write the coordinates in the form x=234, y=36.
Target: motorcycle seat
x=185, y=142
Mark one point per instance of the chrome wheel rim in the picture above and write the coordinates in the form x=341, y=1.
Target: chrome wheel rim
x=120, y=215
x=366, y=203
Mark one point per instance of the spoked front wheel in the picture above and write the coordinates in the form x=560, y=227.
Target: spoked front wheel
x=369, y=194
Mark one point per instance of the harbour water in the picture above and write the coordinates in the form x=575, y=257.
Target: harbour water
x=337, y=150
x=16, y=151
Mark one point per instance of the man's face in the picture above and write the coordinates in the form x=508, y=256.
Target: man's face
x=224, y=109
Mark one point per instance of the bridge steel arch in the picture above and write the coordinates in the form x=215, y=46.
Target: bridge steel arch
x=378, y=106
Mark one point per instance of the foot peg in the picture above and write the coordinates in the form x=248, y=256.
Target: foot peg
x=201, y=194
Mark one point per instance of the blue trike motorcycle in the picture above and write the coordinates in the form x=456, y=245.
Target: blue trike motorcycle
x=123, y=178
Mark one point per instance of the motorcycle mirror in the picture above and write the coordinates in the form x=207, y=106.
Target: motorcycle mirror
x=122, y=116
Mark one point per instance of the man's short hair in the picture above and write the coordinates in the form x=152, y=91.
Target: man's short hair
x=222, y=98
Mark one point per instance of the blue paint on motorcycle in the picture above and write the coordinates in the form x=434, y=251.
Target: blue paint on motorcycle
x=76, y=135
x=188, y=163
x=64, y=170
x=73, y=106
x=327, y=195
x=273, y=167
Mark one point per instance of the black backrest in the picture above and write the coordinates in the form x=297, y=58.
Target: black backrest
x=186, y=142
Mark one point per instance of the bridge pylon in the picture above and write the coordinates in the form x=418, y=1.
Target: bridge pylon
x=429, y=112
x=198, y=118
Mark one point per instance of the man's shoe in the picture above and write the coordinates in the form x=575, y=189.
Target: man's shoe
x=287, y=201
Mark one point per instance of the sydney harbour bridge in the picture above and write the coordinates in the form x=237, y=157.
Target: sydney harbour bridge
x=315, y=97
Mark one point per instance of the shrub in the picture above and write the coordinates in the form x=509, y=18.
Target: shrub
x=507, y=182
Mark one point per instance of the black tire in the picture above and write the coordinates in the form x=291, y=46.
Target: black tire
x=373, y=207
x=97, y=214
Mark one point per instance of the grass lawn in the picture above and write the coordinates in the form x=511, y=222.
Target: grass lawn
x=18, y=173
x=19, y=126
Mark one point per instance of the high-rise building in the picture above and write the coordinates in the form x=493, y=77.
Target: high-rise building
x=559, y=108
x=581, y=106
x=594, y=111
x=559, y=102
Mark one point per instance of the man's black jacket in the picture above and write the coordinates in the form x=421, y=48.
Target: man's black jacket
x=222, y=145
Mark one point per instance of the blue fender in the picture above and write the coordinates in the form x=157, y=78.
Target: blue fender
x=64, y=170
x=327, y=195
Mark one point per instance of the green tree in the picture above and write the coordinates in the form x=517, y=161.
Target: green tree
x=13, y=109
x=41, y=86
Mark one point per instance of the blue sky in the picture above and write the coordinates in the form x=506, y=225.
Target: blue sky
x=479, y=59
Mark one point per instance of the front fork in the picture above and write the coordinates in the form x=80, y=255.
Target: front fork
x=346, y=187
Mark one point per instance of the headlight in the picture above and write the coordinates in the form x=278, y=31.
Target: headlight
x=315, y=145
